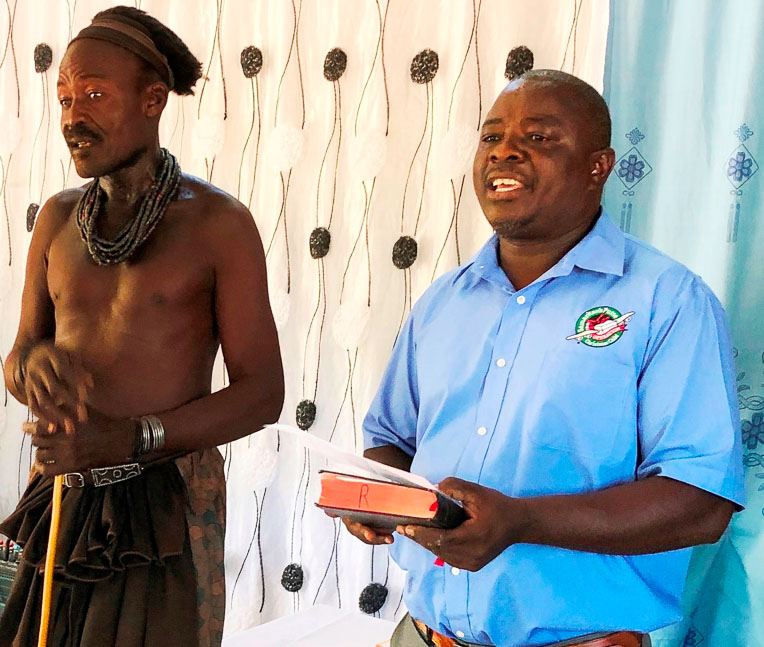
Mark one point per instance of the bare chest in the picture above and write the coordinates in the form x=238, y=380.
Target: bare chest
x=167, y=277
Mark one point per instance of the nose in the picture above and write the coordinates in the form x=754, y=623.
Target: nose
x=73, y=114
x=507, y=149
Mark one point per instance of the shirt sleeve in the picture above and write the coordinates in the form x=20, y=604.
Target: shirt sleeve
x=688, y=418
x=392, y=417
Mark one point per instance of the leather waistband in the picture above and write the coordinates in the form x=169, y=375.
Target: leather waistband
x=100, y=476
x=616, y=639
x=436, y=639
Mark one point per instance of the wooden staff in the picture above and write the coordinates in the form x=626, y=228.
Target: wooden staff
x=50, y=560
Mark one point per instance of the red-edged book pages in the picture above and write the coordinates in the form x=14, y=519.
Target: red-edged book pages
x=382, y=504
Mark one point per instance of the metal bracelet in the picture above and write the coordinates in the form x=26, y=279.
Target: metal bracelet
x=153, y=437
x=145, y=446
x=158, y=432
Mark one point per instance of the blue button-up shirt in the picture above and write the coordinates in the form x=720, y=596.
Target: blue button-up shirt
x=512, y=390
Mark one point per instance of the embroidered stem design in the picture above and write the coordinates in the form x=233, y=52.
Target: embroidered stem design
x=283, y=217
x=259, y=504
x=333, y=556
x=371, y=70
x=4, y=171
x=294, y=44
x=216, y=38
x=573, y=34
x=9, y=41
x=473, y=35
x=251, y=64
x=454, y=224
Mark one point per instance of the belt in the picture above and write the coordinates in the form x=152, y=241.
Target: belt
x=617, y=639
x=435, y=639
x=100, y=476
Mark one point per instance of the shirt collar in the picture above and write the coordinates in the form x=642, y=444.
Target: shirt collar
x=601, y=250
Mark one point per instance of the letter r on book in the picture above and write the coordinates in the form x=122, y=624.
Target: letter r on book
x=362, y=496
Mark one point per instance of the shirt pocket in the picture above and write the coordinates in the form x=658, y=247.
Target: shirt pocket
x=584, y=403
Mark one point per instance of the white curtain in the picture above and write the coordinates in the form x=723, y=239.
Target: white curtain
x=384, y=116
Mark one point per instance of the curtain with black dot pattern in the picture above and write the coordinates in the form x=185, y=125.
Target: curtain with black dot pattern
x=348, y=128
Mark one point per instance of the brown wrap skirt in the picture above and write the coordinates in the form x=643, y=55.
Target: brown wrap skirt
x=125, y=573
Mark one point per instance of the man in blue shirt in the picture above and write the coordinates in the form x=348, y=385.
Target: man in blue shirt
x=573, y=387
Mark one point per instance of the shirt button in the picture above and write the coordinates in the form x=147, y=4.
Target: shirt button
x=460, y=634
x=455, y=571
x=521, y=299
x=501, y=362
x=482, y=431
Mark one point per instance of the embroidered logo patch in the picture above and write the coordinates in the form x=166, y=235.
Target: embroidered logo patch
x=600, y=326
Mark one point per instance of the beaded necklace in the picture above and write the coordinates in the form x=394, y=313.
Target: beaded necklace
x=138, y=229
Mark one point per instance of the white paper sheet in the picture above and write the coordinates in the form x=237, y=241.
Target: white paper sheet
x=342, y=461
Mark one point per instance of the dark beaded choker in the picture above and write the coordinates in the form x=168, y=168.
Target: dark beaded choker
x=138, y=229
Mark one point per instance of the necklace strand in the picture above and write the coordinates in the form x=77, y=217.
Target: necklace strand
x=138, y=229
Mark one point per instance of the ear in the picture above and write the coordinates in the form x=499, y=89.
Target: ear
x=155, y=99
x=601, y=163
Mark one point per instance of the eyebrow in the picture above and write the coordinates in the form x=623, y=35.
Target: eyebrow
x=86, y=76
x=537, y=119
x=491, y=122
x=544, y=119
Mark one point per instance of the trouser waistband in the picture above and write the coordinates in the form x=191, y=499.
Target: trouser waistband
x=432, y=638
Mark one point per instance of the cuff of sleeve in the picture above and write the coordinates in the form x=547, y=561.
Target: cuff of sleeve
x=371, y=441
x=698, y=476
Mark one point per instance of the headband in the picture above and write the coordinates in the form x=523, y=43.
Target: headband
x=133, y=37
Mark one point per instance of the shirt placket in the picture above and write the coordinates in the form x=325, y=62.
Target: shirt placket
x=505, y=345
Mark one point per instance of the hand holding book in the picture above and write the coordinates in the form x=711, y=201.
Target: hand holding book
x=381, y=504
x=494, y=522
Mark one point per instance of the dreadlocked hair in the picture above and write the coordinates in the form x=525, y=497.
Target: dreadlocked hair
x=186, y=68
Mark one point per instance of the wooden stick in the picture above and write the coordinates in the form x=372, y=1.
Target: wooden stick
x=50, y=560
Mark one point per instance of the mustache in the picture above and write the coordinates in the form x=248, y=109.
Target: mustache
x=80, y=131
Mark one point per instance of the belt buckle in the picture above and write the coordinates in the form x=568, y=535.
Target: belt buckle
x=114, y=474
x=74, y=479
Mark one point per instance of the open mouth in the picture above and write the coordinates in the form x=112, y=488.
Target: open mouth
x=503, y=187
x=80, y=145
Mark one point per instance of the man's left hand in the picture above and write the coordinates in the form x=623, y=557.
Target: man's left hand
x=494, y=522
x=100, y=441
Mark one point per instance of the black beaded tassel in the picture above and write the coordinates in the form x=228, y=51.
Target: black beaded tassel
x=292, y=578
x=305, y=414
x=519, y=61
x=43, y=58
x=32, y=210
x=372, y=598
x=404, y=252
x=320, y=241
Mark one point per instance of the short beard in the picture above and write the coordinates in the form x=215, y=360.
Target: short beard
x=515, y=229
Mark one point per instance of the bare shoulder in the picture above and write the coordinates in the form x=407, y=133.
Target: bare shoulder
x=57, y=211
x=216, y=209
x=223, y=227
x=62, y=204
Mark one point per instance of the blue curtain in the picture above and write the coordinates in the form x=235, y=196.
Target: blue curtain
x=685, y=83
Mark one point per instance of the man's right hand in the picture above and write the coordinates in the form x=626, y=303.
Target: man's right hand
x=56, y=385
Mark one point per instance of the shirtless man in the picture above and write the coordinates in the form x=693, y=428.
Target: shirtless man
x=118, y=335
